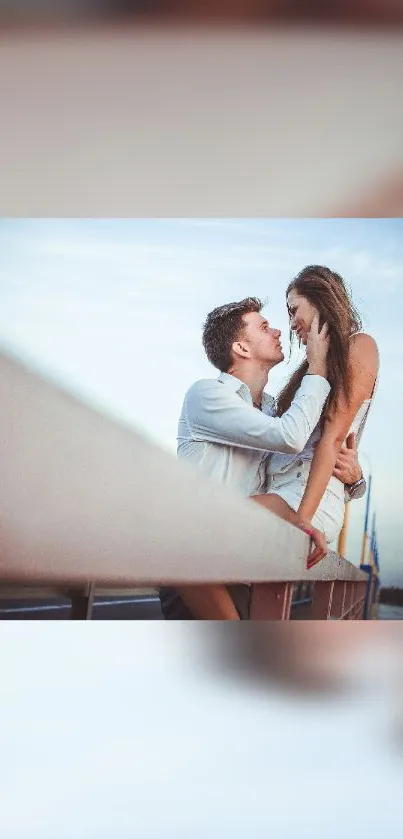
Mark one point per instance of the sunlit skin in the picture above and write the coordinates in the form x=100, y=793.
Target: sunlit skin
x=261, y=342
x=257, y=352
x=301, y=313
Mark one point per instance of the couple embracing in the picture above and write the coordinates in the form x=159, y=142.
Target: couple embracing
x=296, y=455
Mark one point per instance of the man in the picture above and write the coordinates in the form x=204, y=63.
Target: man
x=227, y=427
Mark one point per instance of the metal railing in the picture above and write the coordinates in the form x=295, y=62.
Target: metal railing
x=88, y=504
x=339, y=592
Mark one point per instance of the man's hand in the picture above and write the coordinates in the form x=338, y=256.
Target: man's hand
x=317, y=346
x=347, y=468
x=319, y=541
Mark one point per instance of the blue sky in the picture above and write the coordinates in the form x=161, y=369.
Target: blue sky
x=113, y=309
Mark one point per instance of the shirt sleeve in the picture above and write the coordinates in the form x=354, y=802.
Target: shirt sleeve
x=216, y=414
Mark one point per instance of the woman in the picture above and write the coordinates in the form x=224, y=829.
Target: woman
x=305, y=482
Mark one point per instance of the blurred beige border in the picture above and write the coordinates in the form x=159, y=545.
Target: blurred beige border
x=153, y=122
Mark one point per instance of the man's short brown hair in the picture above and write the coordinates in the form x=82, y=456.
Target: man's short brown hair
x=223, y=326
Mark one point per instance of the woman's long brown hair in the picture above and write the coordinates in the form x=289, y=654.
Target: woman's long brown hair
x=327, y=291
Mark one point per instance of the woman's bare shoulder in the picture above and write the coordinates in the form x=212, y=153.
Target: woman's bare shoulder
x=364, y=352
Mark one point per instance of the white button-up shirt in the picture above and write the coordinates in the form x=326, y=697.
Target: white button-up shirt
x=229, y=439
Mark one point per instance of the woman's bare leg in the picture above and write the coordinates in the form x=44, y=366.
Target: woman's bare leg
x=209, y=603
x=215, y=602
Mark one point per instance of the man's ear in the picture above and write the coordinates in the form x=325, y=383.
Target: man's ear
x=240, y=349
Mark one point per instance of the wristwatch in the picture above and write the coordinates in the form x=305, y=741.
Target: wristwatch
x=354, y=491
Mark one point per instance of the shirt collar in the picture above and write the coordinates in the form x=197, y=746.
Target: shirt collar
x=240, y=387
x=233, y=382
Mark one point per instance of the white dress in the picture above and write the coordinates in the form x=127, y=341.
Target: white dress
x=287, y=476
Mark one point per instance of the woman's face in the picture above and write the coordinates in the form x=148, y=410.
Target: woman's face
x=301, y=313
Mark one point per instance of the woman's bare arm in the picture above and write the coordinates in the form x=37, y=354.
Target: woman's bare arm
x=364, y=365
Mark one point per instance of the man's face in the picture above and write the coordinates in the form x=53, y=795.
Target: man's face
x=262, y=340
